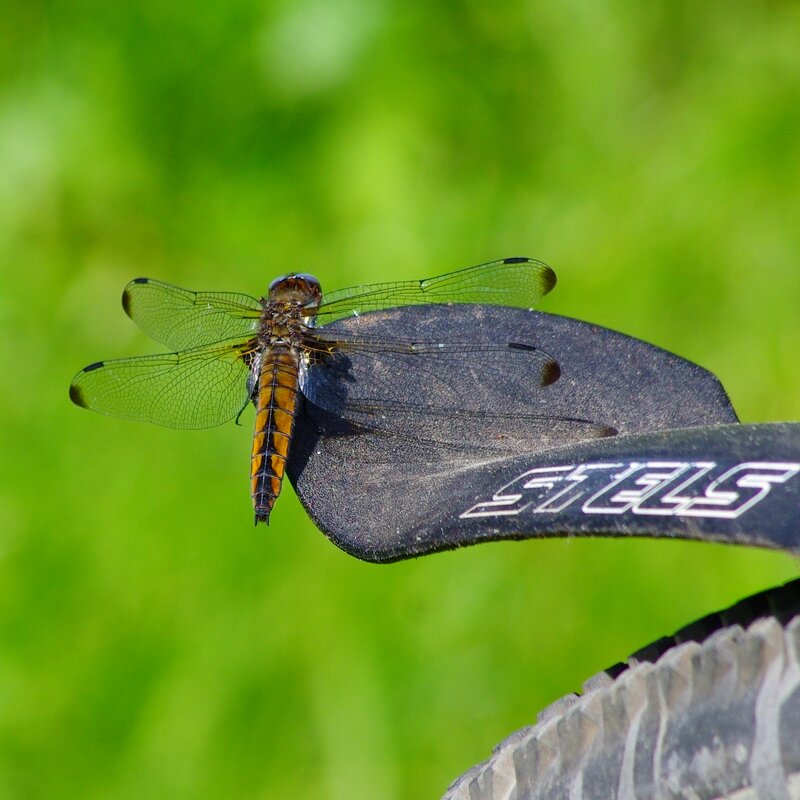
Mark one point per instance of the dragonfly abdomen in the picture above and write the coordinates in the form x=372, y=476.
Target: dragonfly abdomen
x=276, y=407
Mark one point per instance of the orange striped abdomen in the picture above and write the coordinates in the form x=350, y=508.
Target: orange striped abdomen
x=276, y=406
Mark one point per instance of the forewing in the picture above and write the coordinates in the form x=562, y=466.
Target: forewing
x=363, y=377
x=180, y=318
x=442, y=398
x=520, y=282
x=197, y=388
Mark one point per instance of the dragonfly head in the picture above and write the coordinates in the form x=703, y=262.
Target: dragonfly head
x=299, y=287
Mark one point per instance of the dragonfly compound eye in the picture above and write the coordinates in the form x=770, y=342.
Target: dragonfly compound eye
x=297, y=287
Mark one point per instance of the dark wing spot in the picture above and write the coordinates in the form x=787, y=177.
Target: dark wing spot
x=75, y=391
x=126, y=297
x=549, y=280
x=551, y=372
x=76, y=395
x=96, y=365
x=515, y=260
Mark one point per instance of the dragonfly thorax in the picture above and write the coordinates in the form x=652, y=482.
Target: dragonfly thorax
x=282, y=324
x=288, y=309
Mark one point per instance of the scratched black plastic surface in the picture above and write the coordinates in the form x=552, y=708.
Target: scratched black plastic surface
x=426, y=516
x=402, y=490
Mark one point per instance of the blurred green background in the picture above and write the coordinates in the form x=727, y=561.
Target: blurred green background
x=152, y=643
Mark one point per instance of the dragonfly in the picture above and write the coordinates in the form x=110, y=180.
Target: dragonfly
x=284, y=351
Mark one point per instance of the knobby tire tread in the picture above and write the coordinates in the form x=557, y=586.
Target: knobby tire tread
x=710, y=713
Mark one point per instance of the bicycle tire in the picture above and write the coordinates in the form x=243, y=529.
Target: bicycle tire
x=710, y=713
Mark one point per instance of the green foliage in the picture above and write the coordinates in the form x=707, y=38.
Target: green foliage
x=152, y=644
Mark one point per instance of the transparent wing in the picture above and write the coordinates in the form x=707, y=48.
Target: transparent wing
x=181, y=319
x=359, y=377
x=197, y=388
x=428, y=354
x=442, y=398
x=520, y=282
